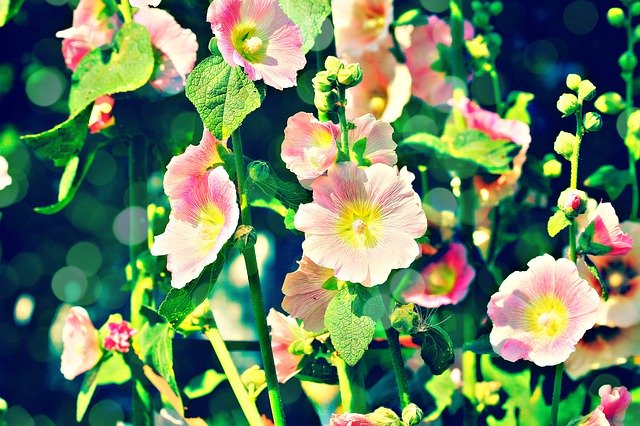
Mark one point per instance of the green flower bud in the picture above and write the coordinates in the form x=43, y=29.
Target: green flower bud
x=564, y=144
x=480, y=19
x=495, y=8
x=477, y=47
x=609, y=103
x=567, y=104
x=572, y=202
x=321, y=82
x=636, y=32
x=615, y=16
x=333, y=65
x=245, y=237
x=326, y=101
x=635, y=9
x=476, y=5
x=254, y=377
x=404, y=318
x=384, y=416
x=586, y=90
x=573, y=81
x=552, y=168
x=258, y=170
x=628, y=61
x=301, y=347
x=350, y=75
x=412, y=414
x=592, y=122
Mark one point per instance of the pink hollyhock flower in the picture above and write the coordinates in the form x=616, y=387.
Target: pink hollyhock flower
x=361, y=25
x=81, y=349
x=385, y=88
x=195, y=162
x=540, y=314
x=310, y=146
x=260, y=37
x=350, y=419
x=119, y=336
x=602, y=347
x=5, y=179
x=284, y=331
x=446, y=281
x=93, y=26
x=101, y=117
x=177, y=47
x=614, y=403
x=420, y=46
x=362, y=223
x=621, y=274
x=202, y=219
x=305, y=296
x=607, y=231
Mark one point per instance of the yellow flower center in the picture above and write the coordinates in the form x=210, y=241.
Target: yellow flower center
x=616, y=279
x=547, y=316
x=374, y=24
x=360, y=224
x=441, y=280
x=210, y=224
x=249, y=42
x=377, y=105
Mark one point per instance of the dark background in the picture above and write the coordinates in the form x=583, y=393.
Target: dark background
x=543, y=41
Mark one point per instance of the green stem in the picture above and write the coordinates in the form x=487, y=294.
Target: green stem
x=137, y=168
x=344, y=150
x=397, y=361
x=497, y=92
x=557, y=387
x=576, y=149
x=573, y=251
x=424, y=183
x=635, y=191
x=627, y=76
x=247, y=404
x=493, y=242
x=125, y=8
x=457, y=39
x=467, y=210
x=255, y=289
x=352, y=392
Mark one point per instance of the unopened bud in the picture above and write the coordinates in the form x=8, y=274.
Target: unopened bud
x=572, y=202
x=321, y=82
x=480, y=19
x=552, y=168
x=477, y=47
x=634, y=10
x=495, y=8
x=586, y=90
x=350, y=75
x=615, y=16
x=383, y=416
x=404, y=318
x=333, y=65
x=573, y=81
x=412, y=414
x=628, y=61
x=564, y=144
x=567, y=104
x=326, y=101
x=254, y=377
x=592, y=122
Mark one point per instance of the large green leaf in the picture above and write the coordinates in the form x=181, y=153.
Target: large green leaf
x=9, y=9
x=609, y=178
x=203, y=384
x=436, y=349
x=223, y=95
x=351, y=320
x=308, y=15
x=179, y=303
x=557, y=222
x=63, y=142
x=124, y=69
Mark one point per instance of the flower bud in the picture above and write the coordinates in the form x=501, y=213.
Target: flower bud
x=326, y=101
x=245, y=237
x=350, y=75
x=615, y=16
x=634, y=10
x=496, y=8
x=564, y=144
x=412, y=414
x=254, y=377
x=552, y=168
x=404, y=318
x=477, y=47
x=321, y=82
x=301, y=347
x=636, y=31
x=628, y=61
x=383, y=416
x=592, y=122
x=573, y=81
x=333, y=65
x=572, y=202
x=476, y=5
x=586, y=90
x=480, y=19
x=567, y=104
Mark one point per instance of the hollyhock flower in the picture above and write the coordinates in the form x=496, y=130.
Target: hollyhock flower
x=81, y=348
x=420, y=47
x=540, y=314
x=258, y=36
x=305, y=295
x=94, y=25
x=361, y=25
x=202, y=219
x=445, y=281
x=607, y=231
x=177, y=49
x=385, y=88
x=284, y=331
x=362, y=223
x=614, y=403
x=602, y=347
x=101, y=117
x=621, y=274
x=5, y=179
x=119, y=336
x=350, y=419
x=310, y=146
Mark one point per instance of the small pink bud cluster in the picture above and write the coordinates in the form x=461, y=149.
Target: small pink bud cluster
x=119, y=336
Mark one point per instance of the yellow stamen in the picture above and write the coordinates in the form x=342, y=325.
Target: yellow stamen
x=377, y=105
x=360, y=224
x=547, y=316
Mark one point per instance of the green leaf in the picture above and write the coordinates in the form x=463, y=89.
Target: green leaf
x=351, y=318
x=518, y=111
x=609, y=178
x=179, y=303
x=436, y=349
x=480, y=346
x=609, y=103
x=441, y=388
x=223, y=95
x=114, y=371
x=593, y=269
x=308, y=15
x=411, y=17
x=87, y=389
x=357, y=153
x=557, y=223
x=272, y=192
x=124, y=69
x=9, y=9
x=203, y=384
x=586, y=244
x=63, y=142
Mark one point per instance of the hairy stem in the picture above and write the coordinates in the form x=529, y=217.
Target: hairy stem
x=255, y=288
x=397, y=361
x=575, y=156
x=344, y=151
x=557, y=387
